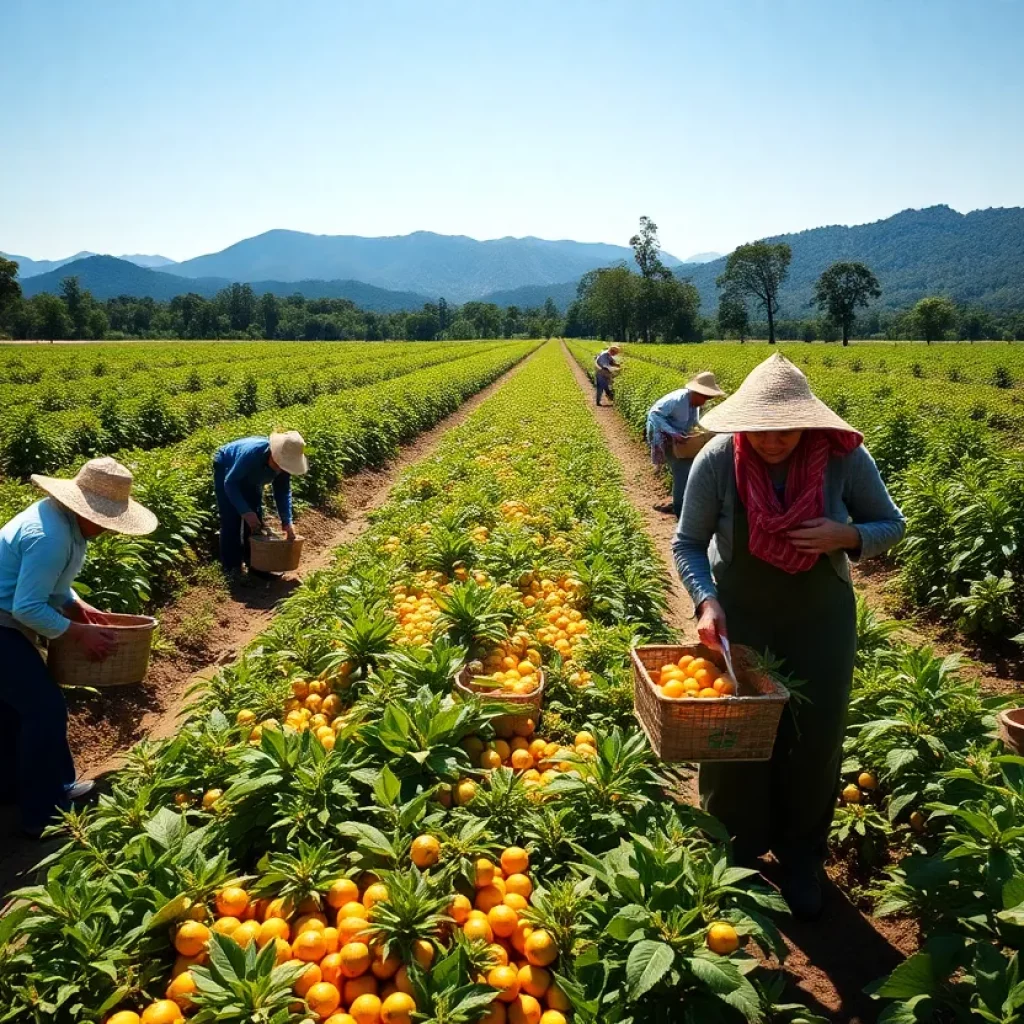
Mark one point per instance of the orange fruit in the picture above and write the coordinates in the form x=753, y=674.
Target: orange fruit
x=398, y=1008
x=673, y=689
x=355, y=959
x=540, y=949
x=534, y=981
x=384, y=968
x=489, y=760
x=506, y=981
x=356, y=987
x=515, y=861
x=309, y=946
x=340, y=1018
x=225, y=925
x=484, y=872
x=332, y=939
x=402, y=982
x=496, y=1014
x=515, y=901
x=310, y=922
x=353, y=909
x=425, y=853
x=275, y=928
x=722, y=938
x=341, y=892
x=124, y=1017
x=232, y=901
x=365, y=1010
x=184, y=963
x=311, y=976
x=498, y=954
x=522, y=760
x=323, y=999
x=478, y=928
x=489, y=897
x=522, y=933
x=851, y=794
x=459, y=909
x=351, y=929
x=519, y=884
x=525, y=1010
x=503, y=920
x=277, y=908
x=181, y=989
x=553, y=1017
x=684, y=661
x=708, y=693
x=867, y=780
x=210, y=797
x=330, y=969
x=247, y=933
x=191, y=938
x=163, y=1011
x=375, y=894
x=724, y=686
x=557, y=999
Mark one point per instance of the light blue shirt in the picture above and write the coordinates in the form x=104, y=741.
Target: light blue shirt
x=605, y=361
x=41, y=552
x=673, y=413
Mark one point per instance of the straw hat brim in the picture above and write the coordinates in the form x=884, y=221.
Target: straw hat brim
x=292, y=466
x=741, y=414
x=122, y=517
x=703, y=389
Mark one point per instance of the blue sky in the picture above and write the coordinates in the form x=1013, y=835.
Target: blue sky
x=181, y=126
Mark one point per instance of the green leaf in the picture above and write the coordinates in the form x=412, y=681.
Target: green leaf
x=648, y=963
x=627, y=922
x=387, y=788
x=913, y=1011
x=718, y=973
x=913, y=977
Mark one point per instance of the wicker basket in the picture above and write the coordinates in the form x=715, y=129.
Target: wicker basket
x=687, y=447
x=530, y=702
x=127, y=664
x=1011, y=728
x=740, y=728
x=274, y=554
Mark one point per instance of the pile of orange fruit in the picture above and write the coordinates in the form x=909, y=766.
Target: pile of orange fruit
x=693, y=677
x=522, y=956
x=417, y=611
x=515, y=665
x=539, y=760
x=556, y=601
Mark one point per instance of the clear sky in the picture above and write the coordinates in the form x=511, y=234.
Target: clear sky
x=181, y=126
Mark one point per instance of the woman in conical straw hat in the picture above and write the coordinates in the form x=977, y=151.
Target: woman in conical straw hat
x=775, y=509
x=241, y=470
x=41, y=552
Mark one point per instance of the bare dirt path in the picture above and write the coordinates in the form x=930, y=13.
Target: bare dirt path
x=220, y=624
x=831, y=960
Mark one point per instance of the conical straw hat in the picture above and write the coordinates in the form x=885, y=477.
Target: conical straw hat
x=775, y=396
x=705, y=384
x=101, y=493
x=289, y=451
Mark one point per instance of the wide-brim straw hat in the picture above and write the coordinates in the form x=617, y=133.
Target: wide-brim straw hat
x=289, y=451
x=101, y=493
x=705, y=384
x=776, y=395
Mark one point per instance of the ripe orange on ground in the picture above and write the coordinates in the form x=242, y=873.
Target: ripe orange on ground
x=534, y=981
x=163, y=1011
x=191, y=938
x=459, y=909
x=376, y=893
x=478, y=928
x=366, y=1010
x=722, y=938
x=540, y=949
x=311, y=976
x=309, y=946
x=341, y=892
x=525, y=1010
x=515, y=861
x=323, y=999
x=232, y=901
x=355, y=959
x=506, y=981
x=398, y=1008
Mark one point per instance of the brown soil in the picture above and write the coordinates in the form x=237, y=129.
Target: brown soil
x=831, y=960
x=209, y=627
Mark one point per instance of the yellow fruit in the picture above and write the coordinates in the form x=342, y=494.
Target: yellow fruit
x=124, y=1017
x=478, y=928
x=465, y=791
x=585, y=737
x=534, y=981
x=163, y=1011
x=525, y=1010
x=278, y=908
x=522, y=760
x=515, y=901
x=553, y=1017
x=484, y=873
x=498, y=954
x=191, y=938
x=918, y=822
x=333, y=939
x=232, y=901
x=851, y=794
x=226, y=925
x=426, y=852
x=708, y=693
x=350, y=929
x=398, y=1008
x=489, y=897
x=506, y=981
x=385, y=968
x=722, y=938
x=340, y=1018
x=247, y=933
x=489, y=760
x=503, y=920
x=423, y=953
x=515, y=861
x=330, y=970
x=181, y=990
x=867, y=780
x=210, y=797
x=356, y=987
x=375, y=894
x=519, y=885
x=311, y=976
x=540, y=949
x=309, y=946
x=275, y=928
x=353, y=909
x=366, y=1010
x=557, y=999
x=496, y=1014
x=355, y=959
x=323, y=999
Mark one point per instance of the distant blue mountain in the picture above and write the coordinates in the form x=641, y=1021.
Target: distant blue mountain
x=31, y=268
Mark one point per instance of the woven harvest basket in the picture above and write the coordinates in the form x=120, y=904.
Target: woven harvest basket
x=687, y=447
x=274, y=554
x=127, y=663
x=530, y=703
x=740, y=728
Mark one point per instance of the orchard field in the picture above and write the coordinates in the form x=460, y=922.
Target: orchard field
x=335, y=834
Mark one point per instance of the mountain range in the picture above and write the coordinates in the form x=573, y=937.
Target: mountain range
x=32, y=268
x=975, y=258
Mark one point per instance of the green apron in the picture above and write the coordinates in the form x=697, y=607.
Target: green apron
x=809, y=620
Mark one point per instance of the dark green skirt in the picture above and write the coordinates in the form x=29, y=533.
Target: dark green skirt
x=809, y=620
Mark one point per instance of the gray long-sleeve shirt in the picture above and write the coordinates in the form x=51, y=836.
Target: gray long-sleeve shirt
x=854, y=493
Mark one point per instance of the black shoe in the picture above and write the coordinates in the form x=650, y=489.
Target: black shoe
x=260, y=574
x=801, y=889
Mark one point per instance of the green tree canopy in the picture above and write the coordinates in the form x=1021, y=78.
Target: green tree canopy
x=841, y=290
x=934, y=316
x=758, y=269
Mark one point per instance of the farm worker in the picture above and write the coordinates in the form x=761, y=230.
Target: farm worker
x=41, y=552
x=674, y=416
x=241, y=469
x=606, y=368
x=774, y=511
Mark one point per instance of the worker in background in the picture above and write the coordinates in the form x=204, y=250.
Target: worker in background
x=241, y=470
x=671, y=418
x=606, y=368
x=41, y=552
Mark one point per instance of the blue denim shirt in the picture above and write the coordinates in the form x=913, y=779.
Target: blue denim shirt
x=41, y=552
x=247, y=471
x=854, y=493
x=671, y=414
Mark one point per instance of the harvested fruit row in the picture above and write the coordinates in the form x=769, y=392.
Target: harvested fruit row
x=339, y=763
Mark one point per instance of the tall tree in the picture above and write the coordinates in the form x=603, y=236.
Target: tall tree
x=647, y=254
x=78, y=303
x=510, y=325
x=50, y=316
x=733, y=317
x=444, y=313
x=10, y=290
x=609, y=296
x=842, y=289
x=269, y=314
x=934, y=316
x=758, y=269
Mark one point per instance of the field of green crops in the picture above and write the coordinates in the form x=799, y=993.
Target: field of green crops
x=946, y=425
x=339, y=835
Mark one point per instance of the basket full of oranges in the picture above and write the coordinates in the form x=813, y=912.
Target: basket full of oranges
x=692, y=710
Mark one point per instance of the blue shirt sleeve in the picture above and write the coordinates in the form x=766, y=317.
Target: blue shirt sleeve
x=702, y=505
x=246, y=467
x=43, y=560
x=873, y=512
x=283, y=497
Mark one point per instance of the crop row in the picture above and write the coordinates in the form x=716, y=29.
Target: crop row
x=395, y=851
x=145, y=412
x=343, y=434
x=958, y=481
